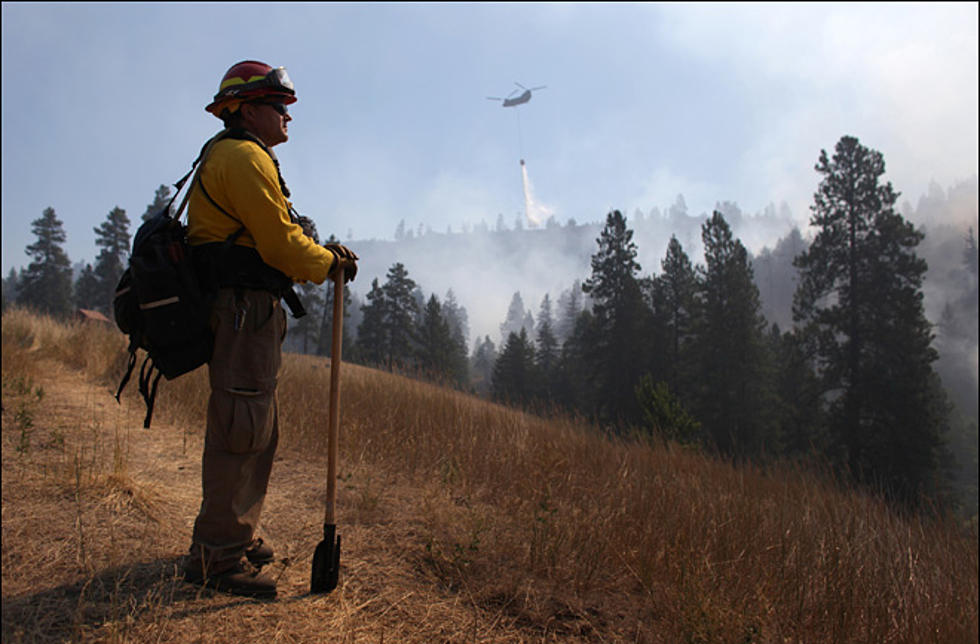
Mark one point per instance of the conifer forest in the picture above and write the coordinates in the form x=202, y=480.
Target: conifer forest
x=850, y=345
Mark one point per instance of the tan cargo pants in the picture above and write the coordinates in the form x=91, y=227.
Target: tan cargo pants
x=242, y=426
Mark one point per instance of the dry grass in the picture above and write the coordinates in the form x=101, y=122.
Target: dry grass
x=462, y=521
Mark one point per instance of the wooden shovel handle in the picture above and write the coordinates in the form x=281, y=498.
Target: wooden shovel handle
x=334, y=428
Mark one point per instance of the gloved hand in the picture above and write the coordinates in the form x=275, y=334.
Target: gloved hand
x=344, y=259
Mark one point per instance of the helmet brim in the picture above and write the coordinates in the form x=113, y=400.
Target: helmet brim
x=232, y=103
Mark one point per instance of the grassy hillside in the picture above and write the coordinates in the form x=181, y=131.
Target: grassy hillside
x=462, y=521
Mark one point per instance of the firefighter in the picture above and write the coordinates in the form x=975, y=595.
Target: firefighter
x=251, y=246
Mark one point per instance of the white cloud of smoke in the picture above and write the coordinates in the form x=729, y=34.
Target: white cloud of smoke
x=536, y=213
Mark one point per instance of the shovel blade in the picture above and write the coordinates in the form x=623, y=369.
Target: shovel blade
x=326, y=561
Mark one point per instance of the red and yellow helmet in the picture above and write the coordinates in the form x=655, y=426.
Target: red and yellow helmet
x=249, y=80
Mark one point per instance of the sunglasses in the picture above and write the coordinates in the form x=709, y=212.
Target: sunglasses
x=279, y=107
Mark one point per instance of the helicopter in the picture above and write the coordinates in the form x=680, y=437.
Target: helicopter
x=512, y=101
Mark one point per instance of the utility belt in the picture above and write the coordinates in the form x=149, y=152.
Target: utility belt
x=223, y=266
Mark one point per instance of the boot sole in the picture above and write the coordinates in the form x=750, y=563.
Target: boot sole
x=231, y=589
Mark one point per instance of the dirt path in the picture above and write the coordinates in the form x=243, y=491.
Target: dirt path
x=97, y=512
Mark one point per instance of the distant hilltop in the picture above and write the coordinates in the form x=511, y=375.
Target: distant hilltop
x=485, y=266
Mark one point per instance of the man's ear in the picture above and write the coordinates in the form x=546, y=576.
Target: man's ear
x=247, y=115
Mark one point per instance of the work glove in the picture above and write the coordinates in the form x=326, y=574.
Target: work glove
x=344, y=259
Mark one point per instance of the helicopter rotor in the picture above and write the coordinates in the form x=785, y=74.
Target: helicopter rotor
x=515, y=92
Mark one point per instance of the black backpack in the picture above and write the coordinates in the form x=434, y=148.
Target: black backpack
x=162, y=303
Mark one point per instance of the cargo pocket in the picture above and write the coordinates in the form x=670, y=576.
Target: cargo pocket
x=244, y=417
x=248, y=342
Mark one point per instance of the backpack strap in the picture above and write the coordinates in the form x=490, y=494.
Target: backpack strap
x=295, y=305
x=129, y=371
x=148, y=391
x=234, y=235
x=288, y=294
x=198, y=164
x=235, y=133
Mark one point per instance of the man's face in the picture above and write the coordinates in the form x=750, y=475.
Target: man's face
x=267, y=121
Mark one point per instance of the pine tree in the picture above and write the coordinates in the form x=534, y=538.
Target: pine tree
x=970, y=255
x=88, y=292
x=402, y=311
x=458, y=321
x=481, y=365
x=436, y=351
x=661, y=365
x=352, y=320
x=675, y=301
x=574, y=385
x=664, y=415
x=322, y=299
x=320, y=306
x=614, y=268
x=619, y=357
x=546, y=352
x=457, y=318
x=860, y=304
x=10, y=287
x=160, y=200
x=324, y=325
x=517, y=318
x=569, y=307
x=678, y=209
x=528, y=323
x=777, y=277
x=420, y=302
x=734, y=395
x=372, y=339
x=112, y=236
x=307, y=328
x=514, y=374
x=46, y=284
x=968, y=300
x=798, y=391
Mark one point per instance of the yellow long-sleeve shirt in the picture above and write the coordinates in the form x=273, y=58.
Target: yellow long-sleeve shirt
x=242, y=179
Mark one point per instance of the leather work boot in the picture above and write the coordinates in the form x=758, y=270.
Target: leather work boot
x=244, y=579
x=259, y=553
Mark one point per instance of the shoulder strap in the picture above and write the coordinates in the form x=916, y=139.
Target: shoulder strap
x=241, y=229
x=235, y=133
x=198, y=163
x=289, y=295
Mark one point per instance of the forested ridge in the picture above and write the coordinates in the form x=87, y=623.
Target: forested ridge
x=854, y=344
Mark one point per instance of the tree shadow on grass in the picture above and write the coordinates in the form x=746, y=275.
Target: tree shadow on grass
x=123, y=594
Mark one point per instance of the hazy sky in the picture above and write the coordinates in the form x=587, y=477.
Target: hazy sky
x=103, y=102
